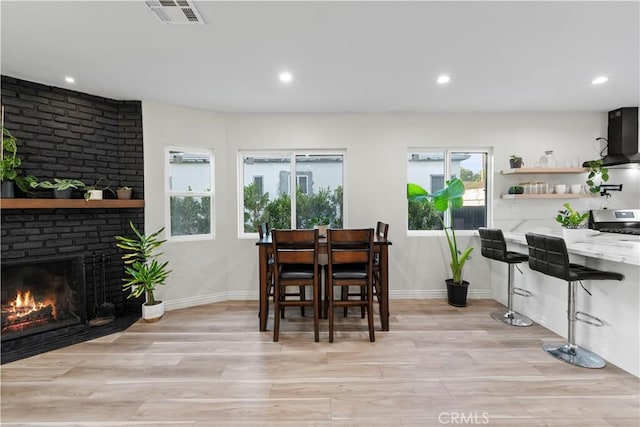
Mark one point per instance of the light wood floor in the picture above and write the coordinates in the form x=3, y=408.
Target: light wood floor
x=209, y=366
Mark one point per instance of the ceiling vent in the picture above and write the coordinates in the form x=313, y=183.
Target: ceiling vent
x=174, y=11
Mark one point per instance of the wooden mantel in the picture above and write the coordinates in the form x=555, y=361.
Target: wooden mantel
x=70, y=204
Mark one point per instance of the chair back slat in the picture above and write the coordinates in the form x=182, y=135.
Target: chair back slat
x=350, y=246
x=493, y=244
x=548, y=255
x=295, y=246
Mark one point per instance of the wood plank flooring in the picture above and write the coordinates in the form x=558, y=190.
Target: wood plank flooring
x=210, y=366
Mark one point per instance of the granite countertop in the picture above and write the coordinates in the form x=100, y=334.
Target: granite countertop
x=608, y=246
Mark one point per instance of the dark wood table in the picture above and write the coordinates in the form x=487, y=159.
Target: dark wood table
x=380, y=245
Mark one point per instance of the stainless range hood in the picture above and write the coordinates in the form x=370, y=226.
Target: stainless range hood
x=622, y=147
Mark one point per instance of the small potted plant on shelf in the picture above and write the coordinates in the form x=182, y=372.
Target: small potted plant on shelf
x=446, y=200
x=515, y=162
x=124, y=193
x=597, y=172
x=61, y=187
x=571, y=221
x=96, y=191
x=143, y=271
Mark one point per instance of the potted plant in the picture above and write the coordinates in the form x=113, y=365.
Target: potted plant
x=124, y=193
x=321, y=222
x=96, y=191
x=61, y=187
x=446, y=200
x=571, y=221
x=9, y=163
x=143, y=271
x=515, y=161
x=596, y=171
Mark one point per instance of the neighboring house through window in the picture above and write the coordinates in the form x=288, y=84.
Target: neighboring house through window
x=429, y=167
x=319, y=185
x=189, y=191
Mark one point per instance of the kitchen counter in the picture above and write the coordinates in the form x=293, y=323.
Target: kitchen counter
x=605, y=246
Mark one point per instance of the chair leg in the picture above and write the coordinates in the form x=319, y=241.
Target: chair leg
x=303, y=297
x=276, y=318
x=330, y=292
x=509, y=316
x=372, y=334
x=345, y=296
x=568, y=351
x=316, y=311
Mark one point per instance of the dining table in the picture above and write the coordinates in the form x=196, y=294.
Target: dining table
x=380, y=246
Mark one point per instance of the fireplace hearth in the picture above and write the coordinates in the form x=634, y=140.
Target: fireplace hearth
x=40, y=295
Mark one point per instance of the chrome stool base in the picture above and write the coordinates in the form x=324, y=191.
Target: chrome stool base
x=574, y=355
x=511, y=318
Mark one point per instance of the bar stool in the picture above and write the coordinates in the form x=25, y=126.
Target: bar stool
x=548, y=255
x=494, y=247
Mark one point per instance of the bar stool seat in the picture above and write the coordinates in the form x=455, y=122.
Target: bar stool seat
x=494, y=247
x=548, y=255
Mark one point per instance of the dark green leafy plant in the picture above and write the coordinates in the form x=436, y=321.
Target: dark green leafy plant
x=101, y=184
x=570, y=218
x=10, y=160
x=143, y=270
x=60, y=184
x=446, y=200
x=596, y=170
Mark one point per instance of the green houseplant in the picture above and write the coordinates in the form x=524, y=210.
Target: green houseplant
x=124, y=193
x=596, y=171
x=446, y=200
x=9, y=163
x=61, y=187
x=515, y=161
x=96, y=191
x=571, y=221
x=143, y=271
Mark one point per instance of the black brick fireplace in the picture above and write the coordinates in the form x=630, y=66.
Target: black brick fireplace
x=67, y=134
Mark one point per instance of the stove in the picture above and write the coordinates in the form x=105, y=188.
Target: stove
x=621, y=221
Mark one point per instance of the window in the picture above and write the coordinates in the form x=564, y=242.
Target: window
x=428, y=168
x=189, y=193
x=318, y=197
x=258, y=181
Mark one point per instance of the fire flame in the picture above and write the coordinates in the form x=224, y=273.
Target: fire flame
x=25, y=304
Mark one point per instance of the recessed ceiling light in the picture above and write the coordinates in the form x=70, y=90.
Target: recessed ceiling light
x=443, y=79
x=285, y=77
x=69, y=79
x=599, y=80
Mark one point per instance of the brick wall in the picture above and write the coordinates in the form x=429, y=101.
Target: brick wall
x=67, y=134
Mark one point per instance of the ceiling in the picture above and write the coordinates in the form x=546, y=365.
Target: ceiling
x=345, y=56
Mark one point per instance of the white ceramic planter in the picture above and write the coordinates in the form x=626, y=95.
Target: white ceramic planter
x=95, y=194
x=573, y=235
x=153, y=313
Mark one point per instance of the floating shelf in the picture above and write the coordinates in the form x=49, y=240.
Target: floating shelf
x=546, y=196
x=70, y=204
x=523, y=171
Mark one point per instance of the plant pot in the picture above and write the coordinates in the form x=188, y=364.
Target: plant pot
x=153, y=313
x=124, y=194
x=62, y=194
x=515, y=164
x=95, y=194
x=8, y=190
x=322, y=229
x=573, y=235
x=457, y=294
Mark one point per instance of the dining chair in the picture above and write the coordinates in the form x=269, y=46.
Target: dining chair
x=296, y=264
x=381, y=233
x=350, y=259
x=264, y=230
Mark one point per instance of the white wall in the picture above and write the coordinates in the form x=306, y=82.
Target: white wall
x=375, y=180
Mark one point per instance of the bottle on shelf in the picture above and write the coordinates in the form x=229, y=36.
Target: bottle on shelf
x=548, y=160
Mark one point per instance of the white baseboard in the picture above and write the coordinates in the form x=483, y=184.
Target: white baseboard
x=253, y=296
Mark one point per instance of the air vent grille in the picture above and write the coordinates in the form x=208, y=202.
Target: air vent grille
x=174, y=11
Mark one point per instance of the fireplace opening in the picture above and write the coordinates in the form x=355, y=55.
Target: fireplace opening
x=42, y=294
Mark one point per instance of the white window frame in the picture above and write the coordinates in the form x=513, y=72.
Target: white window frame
x=447, y=173
x=292, y=173
x=169, y=194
